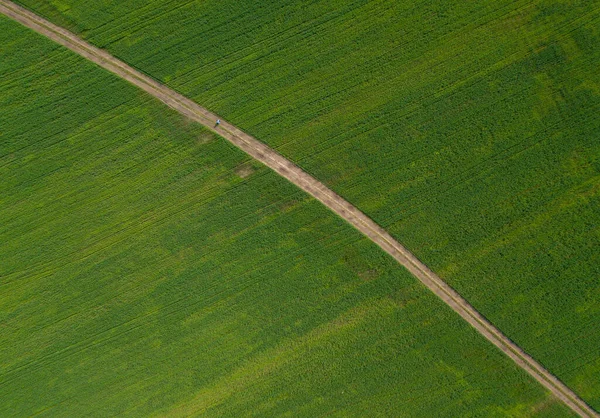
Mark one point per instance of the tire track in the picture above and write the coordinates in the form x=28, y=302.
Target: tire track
x=312, y=186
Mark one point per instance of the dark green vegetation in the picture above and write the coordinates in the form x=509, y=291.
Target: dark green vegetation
x=150, y=268
x=469, y=130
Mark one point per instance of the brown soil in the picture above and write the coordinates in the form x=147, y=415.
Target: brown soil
x=244, y=171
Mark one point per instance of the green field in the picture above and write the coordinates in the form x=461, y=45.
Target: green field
x=150, y=268
x=469, y=130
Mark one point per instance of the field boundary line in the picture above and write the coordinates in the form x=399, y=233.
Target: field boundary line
x=310, y=185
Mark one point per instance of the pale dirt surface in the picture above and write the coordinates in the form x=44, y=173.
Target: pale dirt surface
x=244, y=171
x=318, y=190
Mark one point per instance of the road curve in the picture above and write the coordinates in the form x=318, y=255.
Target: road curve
x=309, y=184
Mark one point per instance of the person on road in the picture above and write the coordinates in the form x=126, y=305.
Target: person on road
x=218, y=122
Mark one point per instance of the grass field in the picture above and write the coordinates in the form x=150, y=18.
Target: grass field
x=150, y=268
x=468, y=129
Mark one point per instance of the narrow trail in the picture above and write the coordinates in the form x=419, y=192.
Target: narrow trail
x=309, y=184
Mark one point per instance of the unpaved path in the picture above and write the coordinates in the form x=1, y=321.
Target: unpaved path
x=309, y=184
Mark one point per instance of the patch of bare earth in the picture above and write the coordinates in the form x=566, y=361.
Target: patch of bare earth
x=244, y=171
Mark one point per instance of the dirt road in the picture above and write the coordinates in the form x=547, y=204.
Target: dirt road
x=309, y=184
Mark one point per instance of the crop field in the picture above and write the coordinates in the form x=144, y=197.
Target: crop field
x=150, y=268
x=469, y=130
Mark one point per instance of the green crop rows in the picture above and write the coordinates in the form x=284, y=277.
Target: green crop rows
x=149, y=268
x=469, y=130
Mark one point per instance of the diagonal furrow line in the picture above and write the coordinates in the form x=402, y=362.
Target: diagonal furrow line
x=312, y=186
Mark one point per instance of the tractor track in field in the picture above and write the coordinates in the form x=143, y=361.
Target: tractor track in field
x=312, y=186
